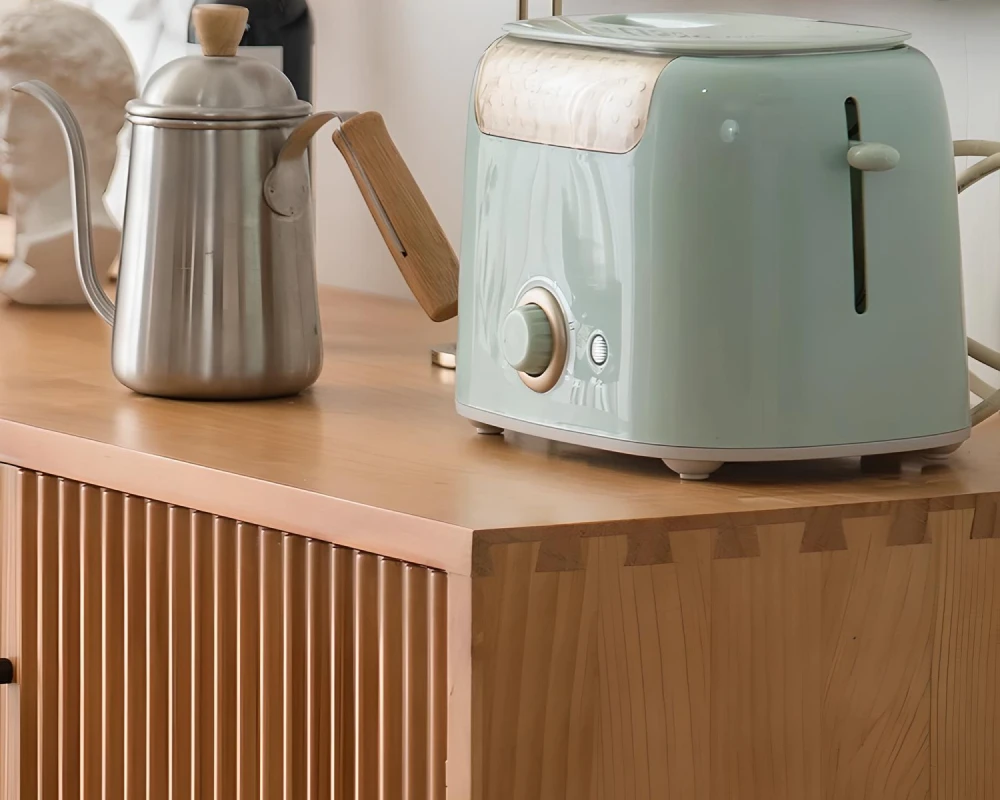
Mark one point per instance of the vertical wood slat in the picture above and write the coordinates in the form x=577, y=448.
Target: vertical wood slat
x=390, y=679
x=416, y=685
x=157, y=652
x=224, y=535
x=344, y=700
x=438, y=671
x=91, y=645
x=135, y=647
x=164, y=653
x=272, y=717
x=366, y=709
x=295, y=667
x=47, y=625
x=320, y=697
x=202, y=657
x=112, y=637
x=69, y=639
x=181, y=665
x=248, y=674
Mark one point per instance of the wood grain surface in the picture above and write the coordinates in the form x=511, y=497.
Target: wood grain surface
x=219, y=28
x=416, y=240
x=858, y=667
x=229, y=653
x=375, y=457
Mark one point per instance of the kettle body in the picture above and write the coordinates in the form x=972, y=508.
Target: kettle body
x=217, y=294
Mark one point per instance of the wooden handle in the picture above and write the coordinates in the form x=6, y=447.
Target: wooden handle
x=408, y=225
x=220, y=28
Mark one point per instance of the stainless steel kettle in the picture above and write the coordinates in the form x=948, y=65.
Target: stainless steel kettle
x=217, y=294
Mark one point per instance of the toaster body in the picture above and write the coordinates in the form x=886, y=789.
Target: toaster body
x=731, y=287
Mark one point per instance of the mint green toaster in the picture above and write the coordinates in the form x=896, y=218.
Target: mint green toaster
x=712, y=238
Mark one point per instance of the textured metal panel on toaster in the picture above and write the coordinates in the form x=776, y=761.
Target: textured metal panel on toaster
x=587, y=99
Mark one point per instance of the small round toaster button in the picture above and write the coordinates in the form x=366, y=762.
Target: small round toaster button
x=527, y=339
x=729, y=131
x=599, y=349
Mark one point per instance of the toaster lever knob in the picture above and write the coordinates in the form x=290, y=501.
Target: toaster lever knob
x=527, y=339
x=872, y=157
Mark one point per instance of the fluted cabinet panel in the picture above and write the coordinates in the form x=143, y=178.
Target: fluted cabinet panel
x=164, y=653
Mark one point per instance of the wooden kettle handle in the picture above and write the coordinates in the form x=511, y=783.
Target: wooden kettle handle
x=407, y=223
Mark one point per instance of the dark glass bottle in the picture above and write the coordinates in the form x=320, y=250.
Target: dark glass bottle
x=283, y=29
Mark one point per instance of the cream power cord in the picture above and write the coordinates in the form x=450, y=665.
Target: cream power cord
x=990, y=153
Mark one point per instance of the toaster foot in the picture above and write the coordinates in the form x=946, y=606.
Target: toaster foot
x=486, y=429
x=692, y=470
x=941, y=453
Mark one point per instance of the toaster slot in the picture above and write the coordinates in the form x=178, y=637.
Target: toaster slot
x=857, y=211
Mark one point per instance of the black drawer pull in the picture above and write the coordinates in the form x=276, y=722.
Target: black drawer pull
x=6, y=671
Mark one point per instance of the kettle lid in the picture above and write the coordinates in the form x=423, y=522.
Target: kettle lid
x=708, y=34
x=219, y=85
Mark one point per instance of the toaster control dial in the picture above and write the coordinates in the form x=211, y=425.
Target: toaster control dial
x=534, y=338
x=527, y=339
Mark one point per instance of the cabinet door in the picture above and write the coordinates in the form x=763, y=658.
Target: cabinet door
x=163, y=652
x=13, y=705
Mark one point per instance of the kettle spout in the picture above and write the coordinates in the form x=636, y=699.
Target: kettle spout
x=83, y=242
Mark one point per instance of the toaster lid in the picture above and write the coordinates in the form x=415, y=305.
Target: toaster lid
x=708, y=34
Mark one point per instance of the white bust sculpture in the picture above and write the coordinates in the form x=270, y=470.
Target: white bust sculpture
x=78, y=54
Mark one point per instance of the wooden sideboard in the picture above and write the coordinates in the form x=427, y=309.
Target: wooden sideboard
x=349, y=594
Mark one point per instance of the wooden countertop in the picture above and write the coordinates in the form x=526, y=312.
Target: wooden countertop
x=374, y=456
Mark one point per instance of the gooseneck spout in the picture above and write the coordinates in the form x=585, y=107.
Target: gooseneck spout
x=82, y=241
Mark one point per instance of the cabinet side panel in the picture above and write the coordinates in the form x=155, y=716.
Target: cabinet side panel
x=784, y=661
x=965, y=711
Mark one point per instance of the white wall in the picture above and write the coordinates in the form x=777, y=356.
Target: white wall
x=414, y=61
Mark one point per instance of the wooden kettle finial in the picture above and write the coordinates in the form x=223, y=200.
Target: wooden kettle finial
x=220, y=28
